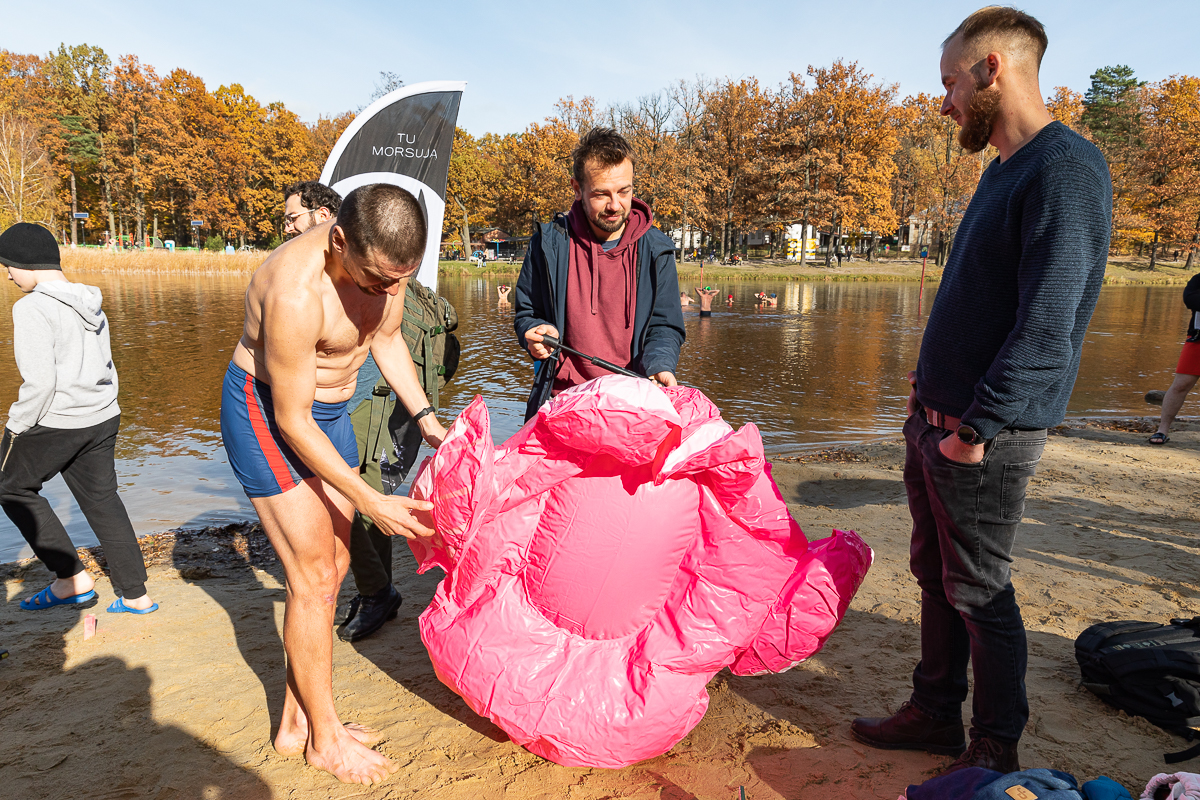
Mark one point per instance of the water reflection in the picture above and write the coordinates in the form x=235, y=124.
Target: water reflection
x=825, y=367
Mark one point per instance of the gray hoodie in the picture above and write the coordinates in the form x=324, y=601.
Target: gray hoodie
x=60, y=337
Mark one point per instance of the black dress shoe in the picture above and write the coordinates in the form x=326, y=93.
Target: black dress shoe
x=373, y=611
x=911, y=729
x=989, y=754
x=346, y=611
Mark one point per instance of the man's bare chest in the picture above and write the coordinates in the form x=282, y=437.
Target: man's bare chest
x=350, y=325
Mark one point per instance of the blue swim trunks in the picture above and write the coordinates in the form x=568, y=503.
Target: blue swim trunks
x=260, y=458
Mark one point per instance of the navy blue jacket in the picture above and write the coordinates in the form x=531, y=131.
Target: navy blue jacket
x=540, y=297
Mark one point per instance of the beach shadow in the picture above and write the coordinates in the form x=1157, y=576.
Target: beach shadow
x=668, y=789
x=398, y=652
x=1111, y=537
x=847, y=493
x=89, y=730
x=1069, y=728
x=222, y=561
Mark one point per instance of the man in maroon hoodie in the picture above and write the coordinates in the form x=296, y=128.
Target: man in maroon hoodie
x=601, y=279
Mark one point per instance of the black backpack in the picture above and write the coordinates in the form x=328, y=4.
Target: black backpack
x=1149, y=670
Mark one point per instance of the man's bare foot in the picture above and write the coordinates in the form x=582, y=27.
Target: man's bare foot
x=140, y=603
x=293, y=742
x=351, y=762
x=72, y=586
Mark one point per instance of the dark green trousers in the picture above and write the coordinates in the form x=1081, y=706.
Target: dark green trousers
x=370, y=557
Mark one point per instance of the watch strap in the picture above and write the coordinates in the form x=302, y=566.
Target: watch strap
x=424, y=412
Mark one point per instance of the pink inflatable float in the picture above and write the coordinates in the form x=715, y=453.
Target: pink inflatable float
x=609, y=559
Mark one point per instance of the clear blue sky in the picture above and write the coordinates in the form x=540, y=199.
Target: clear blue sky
x=519, y=57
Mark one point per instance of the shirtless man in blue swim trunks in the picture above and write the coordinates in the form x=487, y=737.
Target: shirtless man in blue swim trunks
x=314, y=310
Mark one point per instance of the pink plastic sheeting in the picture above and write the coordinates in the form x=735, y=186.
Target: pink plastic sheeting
x=610, y=558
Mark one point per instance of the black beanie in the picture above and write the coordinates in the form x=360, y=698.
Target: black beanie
x=29, y=246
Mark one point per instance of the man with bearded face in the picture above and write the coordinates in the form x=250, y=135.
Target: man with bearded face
x=601, y=279
x=997, y=364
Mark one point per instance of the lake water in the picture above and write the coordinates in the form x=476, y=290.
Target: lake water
x=825, y=368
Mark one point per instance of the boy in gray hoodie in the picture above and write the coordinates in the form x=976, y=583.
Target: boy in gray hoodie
x=65, y=420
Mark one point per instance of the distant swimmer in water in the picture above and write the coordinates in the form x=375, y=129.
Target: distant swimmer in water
x=771, y=300
x=684, y=300
x=502, y=290
x=706, y=297
x=729, y=300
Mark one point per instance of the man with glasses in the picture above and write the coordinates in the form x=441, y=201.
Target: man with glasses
x=307, y=204
x=314, y=310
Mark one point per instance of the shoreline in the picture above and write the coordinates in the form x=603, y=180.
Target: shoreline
x=1121, y=270
x=154, y=545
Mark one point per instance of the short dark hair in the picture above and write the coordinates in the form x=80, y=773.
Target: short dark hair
x=314, y=195
x=602, y=146
x=1002, y=21
x=386, y=220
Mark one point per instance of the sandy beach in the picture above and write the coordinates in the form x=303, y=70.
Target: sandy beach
x=182, y=704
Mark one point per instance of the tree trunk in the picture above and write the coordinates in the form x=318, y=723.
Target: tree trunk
x=74, y=211
x=1154, y=251
x=112, y=221
x=1195, y=240
x=465, y=231
x=141, y=220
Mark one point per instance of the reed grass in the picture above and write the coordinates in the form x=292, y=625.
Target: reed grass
x=161, y=261
x=1126, y=272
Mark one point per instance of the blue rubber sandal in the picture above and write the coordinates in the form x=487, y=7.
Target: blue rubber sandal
x=118, y=607
x=47, y=599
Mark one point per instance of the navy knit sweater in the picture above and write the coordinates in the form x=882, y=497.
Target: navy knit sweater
x=1001, y=348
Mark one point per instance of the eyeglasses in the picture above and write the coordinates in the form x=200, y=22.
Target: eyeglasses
x=290, y=219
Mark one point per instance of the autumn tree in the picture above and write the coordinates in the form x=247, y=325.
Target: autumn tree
x=729, y=135
x=1067, y=107
x=854, y=150
x=472, y=185
x=26, y=174
x=946, y=175
x=534, y=166
x=77, y=99
x=687, y=99
x=1164, y=179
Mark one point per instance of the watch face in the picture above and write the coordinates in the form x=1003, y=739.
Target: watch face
x=967, y=435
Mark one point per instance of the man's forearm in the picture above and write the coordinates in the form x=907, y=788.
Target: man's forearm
x=317, y=452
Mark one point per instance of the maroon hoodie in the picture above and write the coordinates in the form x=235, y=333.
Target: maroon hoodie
x=601, y=295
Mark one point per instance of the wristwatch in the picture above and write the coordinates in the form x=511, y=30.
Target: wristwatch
x=969, y=436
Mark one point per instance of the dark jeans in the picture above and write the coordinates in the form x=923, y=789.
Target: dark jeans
x=370, y=557
x=84, y=456
x=964, y=522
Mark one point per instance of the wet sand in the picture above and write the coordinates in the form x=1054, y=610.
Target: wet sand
x=182, y=703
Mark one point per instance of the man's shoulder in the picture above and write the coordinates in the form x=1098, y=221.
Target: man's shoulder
x=657, y=240
x=294, y=264
x=1068, y=152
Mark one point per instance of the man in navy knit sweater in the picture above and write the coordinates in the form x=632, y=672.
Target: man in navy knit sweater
x=996, y=368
